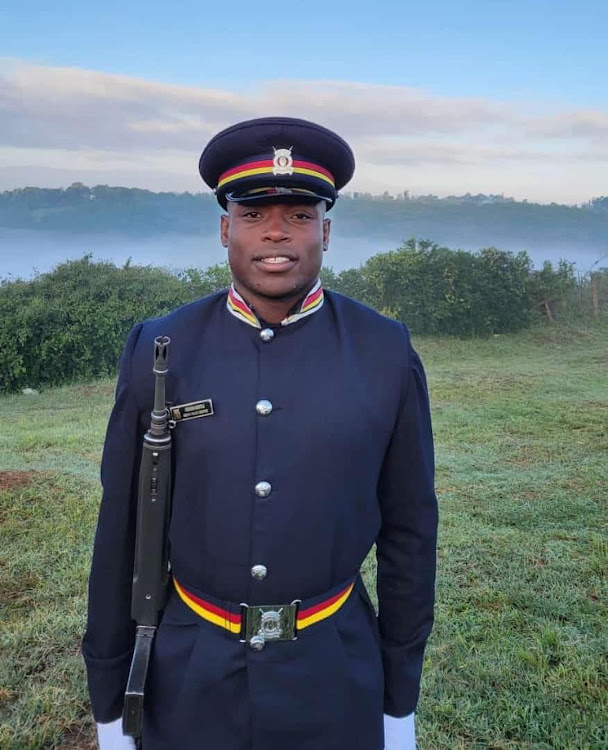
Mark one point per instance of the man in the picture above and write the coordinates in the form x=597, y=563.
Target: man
x=319, y=446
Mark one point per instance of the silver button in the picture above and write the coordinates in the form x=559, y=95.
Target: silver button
x=266, y=334
x=263, y=407
x=257, y=643
x=263, y=489
x=259, y=572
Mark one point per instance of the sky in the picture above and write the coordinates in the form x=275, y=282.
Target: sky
x=442, y=97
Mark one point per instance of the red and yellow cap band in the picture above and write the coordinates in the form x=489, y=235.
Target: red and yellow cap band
x=268, y=167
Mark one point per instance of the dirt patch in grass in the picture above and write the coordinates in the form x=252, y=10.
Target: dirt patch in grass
x=19, y=590
x=11, y=479
x=560, y=335
x=77, y=737
x=599, y=358
x=89, y=390
x=95, y=389
x=6, y=696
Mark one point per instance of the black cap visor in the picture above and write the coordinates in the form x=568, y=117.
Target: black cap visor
x=279, y=195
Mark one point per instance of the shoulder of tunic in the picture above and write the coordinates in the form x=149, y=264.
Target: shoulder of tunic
x=199, y=309
x=354, y=308
x=183, y=326
x=376, y=330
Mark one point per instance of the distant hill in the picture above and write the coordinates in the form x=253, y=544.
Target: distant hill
x=469, y=222
x=103, y=209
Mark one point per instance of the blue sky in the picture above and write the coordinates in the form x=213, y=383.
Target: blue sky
x=494, y=96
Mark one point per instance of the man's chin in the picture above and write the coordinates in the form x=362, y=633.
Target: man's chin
x=283, y=296
x=282, y=290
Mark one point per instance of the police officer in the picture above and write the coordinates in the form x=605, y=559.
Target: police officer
x=319, y=446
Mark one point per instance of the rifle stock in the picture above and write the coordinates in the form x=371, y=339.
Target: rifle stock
x=132, y=713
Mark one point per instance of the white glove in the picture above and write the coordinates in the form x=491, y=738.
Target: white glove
x=399, y=733
x=110, y=737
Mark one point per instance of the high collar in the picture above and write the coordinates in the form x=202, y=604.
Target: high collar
x=310, y=304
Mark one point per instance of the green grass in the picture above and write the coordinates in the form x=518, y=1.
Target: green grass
x=518, y=655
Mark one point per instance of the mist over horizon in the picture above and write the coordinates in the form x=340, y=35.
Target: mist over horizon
x=25, y=253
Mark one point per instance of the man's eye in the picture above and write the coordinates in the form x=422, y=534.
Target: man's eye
x=251, y=214
x=302, y=215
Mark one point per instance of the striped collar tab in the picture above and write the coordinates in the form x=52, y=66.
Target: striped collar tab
x=237, y=306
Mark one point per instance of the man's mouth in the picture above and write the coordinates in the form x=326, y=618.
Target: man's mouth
x=276, y=263
x=276, y=259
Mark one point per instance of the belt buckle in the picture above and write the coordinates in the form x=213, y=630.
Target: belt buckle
x=269, y=622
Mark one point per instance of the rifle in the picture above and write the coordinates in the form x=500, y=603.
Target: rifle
x=151, y=563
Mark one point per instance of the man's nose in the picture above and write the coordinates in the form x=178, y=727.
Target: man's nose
x=276, y=227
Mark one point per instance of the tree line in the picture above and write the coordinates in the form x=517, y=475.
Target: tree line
x=70, y=324
x=470, y=221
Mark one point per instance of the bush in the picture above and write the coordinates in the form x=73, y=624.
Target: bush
x=436, y=290
x=71, y=323
x=200, y=283
x=549, y=289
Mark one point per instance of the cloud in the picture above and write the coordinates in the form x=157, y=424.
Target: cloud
x=91, y=122
x=64, y=107
x=419, y=152
x=357, y=109
x=44, y=107
x=585, y=124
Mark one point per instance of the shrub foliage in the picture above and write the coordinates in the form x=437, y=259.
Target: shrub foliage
x=70, y=324
x=438, y=291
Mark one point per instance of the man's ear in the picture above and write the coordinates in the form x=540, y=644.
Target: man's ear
x=326, y=231
x=224, y=226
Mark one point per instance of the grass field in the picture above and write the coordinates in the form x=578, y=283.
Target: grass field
x=518, y=655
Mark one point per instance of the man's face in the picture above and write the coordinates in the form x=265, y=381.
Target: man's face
x=275, y=250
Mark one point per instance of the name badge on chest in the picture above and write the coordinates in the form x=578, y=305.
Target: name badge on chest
x=192, y=410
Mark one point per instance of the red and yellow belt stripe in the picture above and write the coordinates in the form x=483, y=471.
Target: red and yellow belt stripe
x=221, y=617
x=324, y=609
x=232, y=621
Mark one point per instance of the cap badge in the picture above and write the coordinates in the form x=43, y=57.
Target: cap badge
x=282, y=162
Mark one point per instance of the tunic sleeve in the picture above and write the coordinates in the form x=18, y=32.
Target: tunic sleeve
x=108, y=641
x=406, y=545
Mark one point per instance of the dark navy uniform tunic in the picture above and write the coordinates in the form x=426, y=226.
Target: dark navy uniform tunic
x=346, y=450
